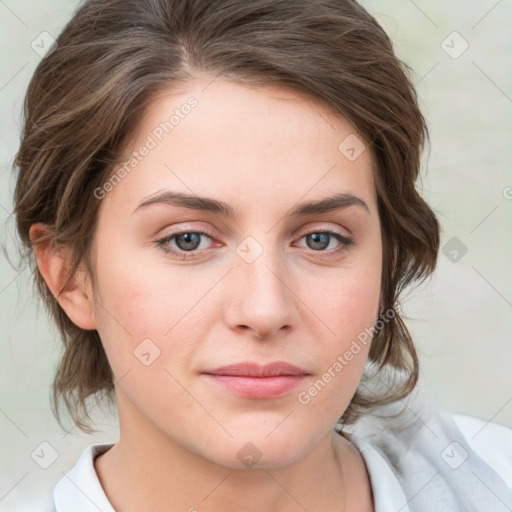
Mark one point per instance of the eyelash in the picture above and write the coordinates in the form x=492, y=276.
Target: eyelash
x=162, y=243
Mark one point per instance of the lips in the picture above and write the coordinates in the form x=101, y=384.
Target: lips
x=252, y=380
x=248, y=369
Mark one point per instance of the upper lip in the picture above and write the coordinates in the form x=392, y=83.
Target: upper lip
x=250, y=369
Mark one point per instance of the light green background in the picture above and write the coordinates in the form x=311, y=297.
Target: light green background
x=461, y=320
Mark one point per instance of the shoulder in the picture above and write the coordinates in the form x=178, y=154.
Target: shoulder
x=453, y=460
x=492, y=442
x=80, y=489
x=40, y=503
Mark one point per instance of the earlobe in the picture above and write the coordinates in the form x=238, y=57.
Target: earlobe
x=74, y=293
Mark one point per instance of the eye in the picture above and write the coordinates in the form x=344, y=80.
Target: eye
x=326, y=240
x=192, y=243
x=184, y=244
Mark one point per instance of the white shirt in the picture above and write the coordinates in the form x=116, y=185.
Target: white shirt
x=441, y=469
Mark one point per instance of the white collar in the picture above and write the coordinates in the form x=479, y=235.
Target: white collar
x=388, y=495
x=80, y=489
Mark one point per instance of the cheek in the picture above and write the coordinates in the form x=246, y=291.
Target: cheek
x=144, y=299
x=349, y=302
x=140, y=302
x=349, y=306
x=146, y=324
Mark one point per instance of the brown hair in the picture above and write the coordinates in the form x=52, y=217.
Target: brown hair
x=87, y=96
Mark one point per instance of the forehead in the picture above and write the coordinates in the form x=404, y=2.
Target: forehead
x=239, y=142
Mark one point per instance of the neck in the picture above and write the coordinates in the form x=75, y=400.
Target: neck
x=146, y=470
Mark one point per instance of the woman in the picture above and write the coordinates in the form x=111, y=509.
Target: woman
x=220, y=199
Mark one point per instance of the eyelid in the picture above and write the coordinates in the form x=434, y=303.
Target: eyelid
x=317, y=229
x=345, y=236
x=345, y=241
x=318, y=226
x=162, y=242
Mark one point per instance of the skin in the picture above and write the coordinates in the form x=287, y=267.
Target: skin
x=262, y=150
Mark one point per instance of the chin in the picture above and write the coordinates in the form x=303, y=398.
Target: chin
x=252, y=450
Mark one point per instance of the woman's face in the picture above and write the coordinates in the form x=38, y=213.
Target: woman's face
x=274, y=279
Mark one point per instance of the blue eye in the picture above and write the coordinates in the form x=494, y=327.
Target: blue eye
x=185, y=242
x=321, y=240
x=188, y=241
x=189, y=244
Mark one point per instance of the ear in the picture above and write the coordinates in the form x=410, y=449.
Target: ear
x=75, y=294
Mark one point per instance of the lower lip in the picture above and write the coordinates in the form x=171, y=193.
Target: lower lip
x=258, y=387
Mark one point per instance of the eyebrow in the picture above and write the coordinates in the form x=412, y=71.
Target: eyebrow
x=334, y=202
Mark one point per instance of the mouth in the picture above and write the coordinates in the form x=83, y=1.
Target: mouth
x=251, y=380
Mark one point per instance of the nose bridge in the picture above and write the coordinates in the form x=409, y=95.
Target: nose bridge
x=261, y=298
x=263, y=274
x=259, y=265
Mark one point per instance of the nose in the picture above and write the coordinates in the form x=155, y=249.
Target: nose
x=261, y=301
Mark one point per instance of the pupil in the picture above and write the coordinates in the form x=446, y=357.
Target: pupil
x=191, y=241
x=321, y=240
